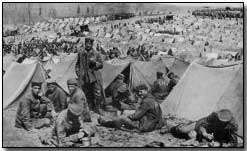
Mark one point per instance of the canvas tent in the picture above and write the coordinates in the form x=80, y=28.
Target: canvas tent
x=203, y=90
x=65, y=69
x=136, y=72
x=17, y=81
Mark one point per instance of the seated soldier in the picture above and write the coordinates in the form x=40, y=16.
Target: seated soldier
x=160, y=87
x=219, y=126
x=122, y=98
x=57, y=96
x=33, y=110
x=69, y=129
x=173, y=81
x=147, y=117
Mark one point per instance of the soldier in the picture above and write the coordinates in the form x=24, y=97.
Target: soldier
x=147, y=117
x=122, y=98
x=173, y=81
x=219, y=126
x=78, y=97
x=33, y=111
x=68, y=128
x=90, y=80
x=160, y=87
x=57, y=96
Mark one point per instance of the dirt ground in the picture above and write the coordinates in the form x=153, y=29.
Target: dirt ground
x=106, y=137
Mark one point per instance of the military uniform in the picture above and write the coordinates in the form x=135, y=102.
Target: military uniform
x=147, y=117
x=121, y=96
x=78, y=98
x=222, y=133
x=64, y=129
x=90, y=79
x=33, y=112
x=160, y=89
x=58, y=99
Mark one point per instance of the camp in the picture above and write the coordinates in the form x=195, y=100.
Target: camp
x=203, y=90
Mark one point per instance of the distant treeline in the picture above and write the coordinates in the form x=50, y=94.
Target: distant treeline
x=220, y=13
x=30, y=13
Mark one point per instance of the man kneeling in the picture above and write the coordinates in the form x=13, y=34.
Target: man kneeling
x=146, y=118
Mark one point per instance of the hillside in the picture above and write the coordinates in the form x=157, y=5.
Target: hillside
x=28, y=13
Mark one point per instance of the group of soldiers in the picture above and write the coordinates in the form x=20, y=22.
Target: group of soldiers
x=70, y=114
x=140, y=53
x=39, y=47
x=220, y=14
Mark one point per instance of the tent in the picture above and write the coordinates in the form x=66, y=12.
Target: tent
x=65, y=69
x=203, y=90
x=7, y=60
x=17, y=81
x=145, y=72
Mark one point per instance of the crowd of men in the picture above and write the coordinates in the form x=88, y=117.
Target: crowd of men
x=220, y=13
x=70, y=116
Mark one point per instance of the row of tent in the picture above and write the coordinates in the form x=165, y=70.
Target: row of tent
x=63, y=68
x=200, y=90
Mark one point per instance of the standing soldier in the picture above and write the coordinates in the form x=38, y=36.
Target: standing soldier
x=90, y=80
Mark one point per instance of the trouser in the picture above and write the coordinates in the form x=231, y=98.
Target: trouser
x=183, y=130
x=94, y=95
x=119, y=122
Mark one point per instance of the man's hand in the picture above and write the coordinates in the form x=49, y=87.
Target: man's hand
x=226, y=145
x=208, y=136
x=81, y=135
x=214, y=144
x=54, y=114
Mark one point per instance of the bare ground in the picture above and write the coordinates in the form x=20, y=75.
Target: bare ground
x=106, y=137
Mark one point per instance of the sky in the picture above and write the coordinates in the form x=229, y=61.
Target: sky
x=209, y=4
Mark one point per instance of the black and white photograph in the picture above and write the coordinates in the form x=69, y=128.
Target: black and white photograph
x=123, y=74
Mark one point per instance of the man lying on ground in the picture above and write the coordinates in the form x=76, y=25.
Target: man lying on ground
x=218, y=127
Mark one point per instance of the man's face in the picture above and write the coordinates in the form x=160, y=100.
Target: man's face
x=51, y=87
x=36, y=90
x=142, y=93
x=71, y=88
x=88, y=45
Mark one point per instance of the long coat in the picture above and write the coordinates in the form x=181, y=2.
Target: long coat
x=87, y=71
x=58, y=99
x=79, y=98
x=148, y=114
x=30, y=108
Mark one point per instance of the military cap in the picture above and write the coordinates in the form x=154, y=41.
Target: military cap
x=142, y=87
x=159, y=74
x=89, y=39
x=34, y=83
x=120, y=76
x=75, y=109
x=72, y=81
x=50, y=81
x=224, y=115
